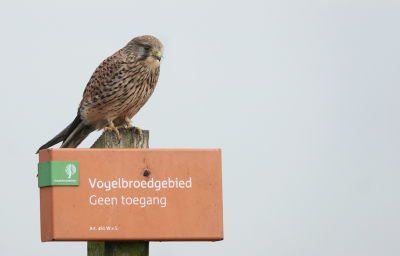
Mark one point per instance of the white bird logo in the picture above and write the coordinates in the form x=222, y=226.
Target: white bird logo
x=70, y=170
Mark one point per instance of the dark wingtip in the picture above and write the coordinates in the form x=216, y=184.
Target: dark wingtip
x=47, y=145
x=42, y=147
x=63, y=135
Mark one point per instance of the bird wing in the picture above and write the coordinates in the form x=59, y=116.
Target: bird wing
x=107, y=71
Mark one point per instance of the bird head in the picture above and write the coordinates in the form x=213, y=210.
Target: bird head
x=146, y=48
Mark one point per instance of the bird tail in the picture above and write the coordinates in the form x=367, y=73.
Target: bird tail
x=71, y=136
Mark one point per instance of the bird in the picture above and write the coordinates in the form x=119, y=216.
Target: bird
x=117, y=90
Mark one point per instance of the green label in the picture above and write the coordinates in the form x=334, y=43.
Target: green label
x=58, y=173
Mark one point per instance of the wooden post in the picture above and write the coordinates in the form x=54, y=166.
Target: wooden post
x=129, y=139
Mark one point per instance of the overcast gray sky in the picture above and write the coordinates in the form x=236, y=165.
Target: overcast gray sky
x=301, y=96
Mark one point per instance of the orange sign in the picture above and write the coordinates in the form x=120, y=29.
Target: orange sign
x=132, y=194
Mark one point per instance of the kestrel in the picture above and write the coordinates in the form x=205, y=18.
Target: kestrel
x=117, y=90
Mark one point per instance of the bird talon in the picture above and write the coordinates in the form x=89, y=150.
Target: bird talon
x=113, y=128
x=130, y=127
x=140, y=132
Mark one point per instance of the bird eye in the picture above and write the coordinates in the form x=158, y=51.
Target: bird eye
x=147, y=48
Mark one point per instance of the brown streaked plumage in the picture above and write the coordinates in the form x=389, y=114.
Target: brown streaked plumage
x=117, y=90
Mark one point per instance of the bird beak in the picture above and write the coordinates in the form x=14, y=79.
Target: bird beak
x=157, y=55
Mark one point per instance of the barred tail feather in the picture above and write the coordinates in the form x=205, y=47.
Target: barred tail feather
x=72, y=135
x=77, y=136
x=58, y=138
